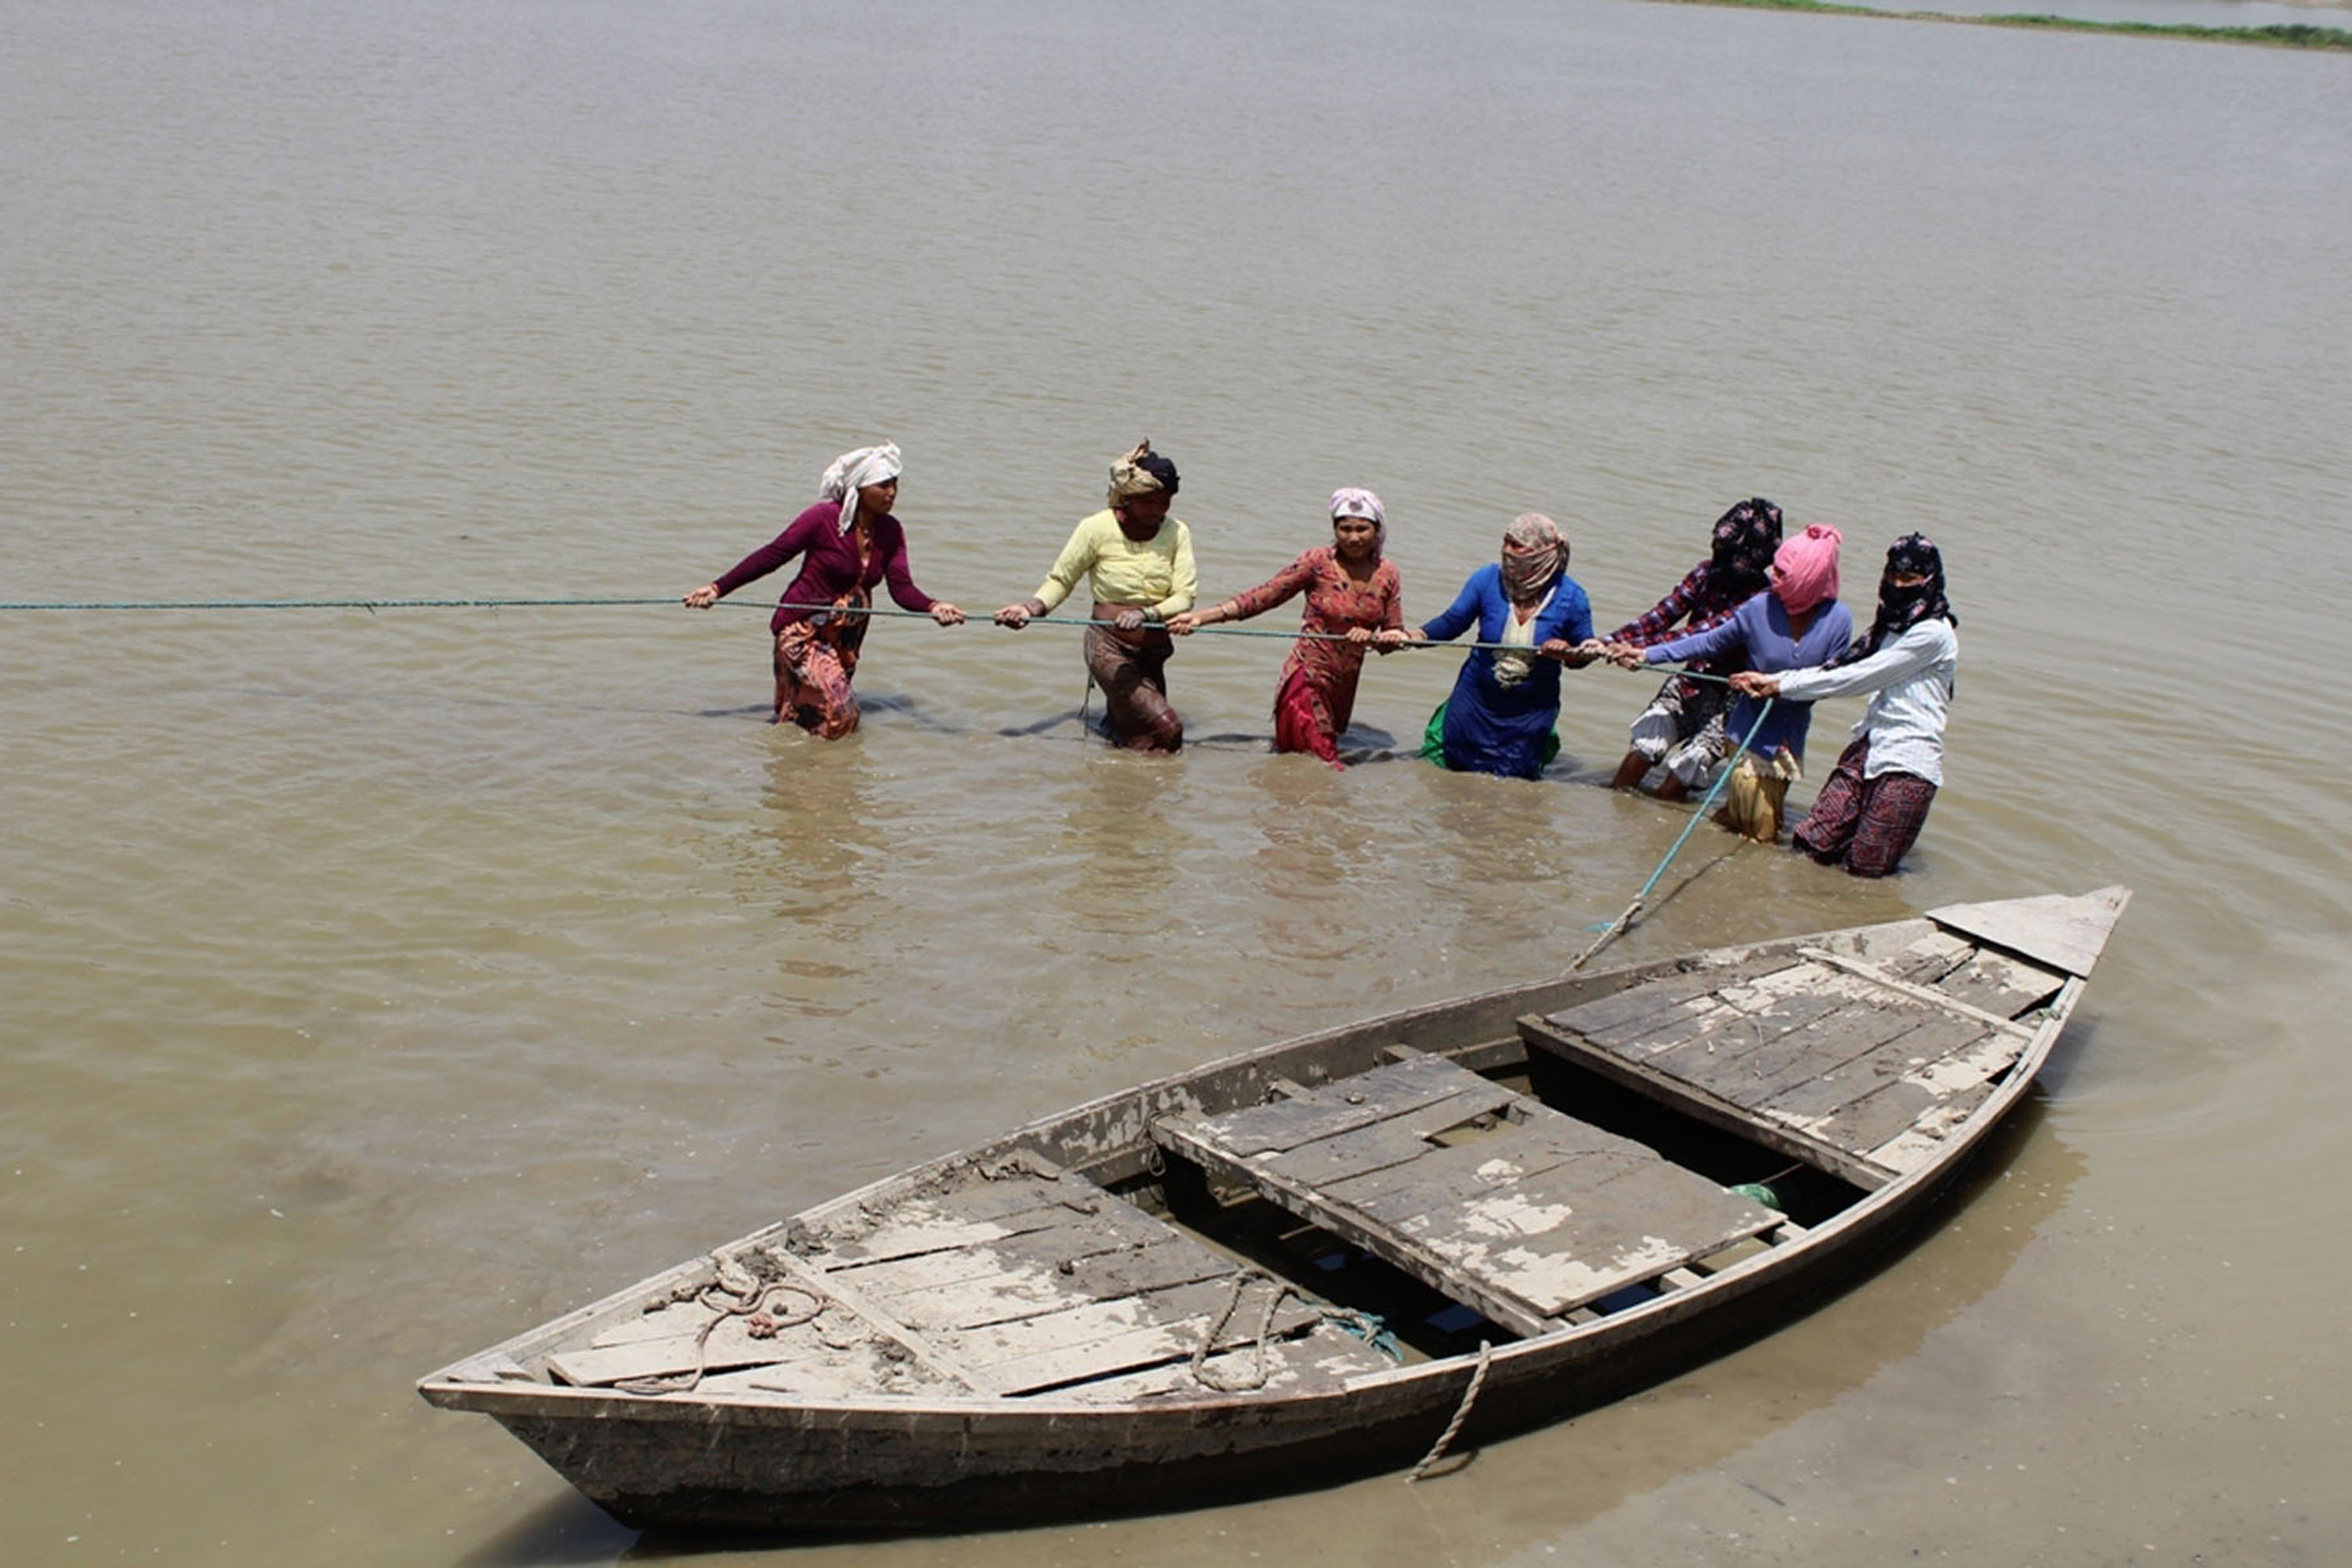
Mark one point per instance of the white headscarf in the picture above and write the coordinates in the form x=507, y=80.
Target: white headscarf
x=852, y=471
x=1353, y=501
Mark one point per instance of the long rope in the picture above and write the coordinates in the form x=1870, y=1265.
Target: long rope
x=371, y=606
x=1625, y=917
x=323, y=603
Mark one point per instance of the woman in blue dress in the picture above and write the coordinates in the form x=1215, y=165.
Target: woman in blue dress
x=1499, y=718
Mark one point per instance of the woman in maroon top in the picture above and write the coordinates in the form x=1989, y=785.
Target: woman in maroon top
x=848, y=541
x=1351, y=594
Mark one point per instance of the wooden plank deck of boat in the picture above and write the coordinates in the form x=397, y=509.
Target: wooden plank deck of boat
x=1494, y=1199
x=999, y=1281
x=1856, y=1062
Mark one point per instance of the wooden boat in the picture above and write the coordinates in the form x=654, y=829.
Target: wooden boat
x=1303, y=1263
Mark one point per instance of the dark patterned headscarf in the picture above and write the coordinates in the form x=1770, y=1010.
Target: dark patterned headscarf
x=1745, y=539
x=1900, y=609
x=1743, y=546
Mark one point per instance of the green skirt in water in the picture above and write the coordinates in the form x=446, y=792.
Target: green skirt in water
x=1433, y=739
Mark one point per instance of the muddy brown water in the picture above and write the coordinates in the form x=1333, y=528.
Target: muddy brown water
x=378, y=986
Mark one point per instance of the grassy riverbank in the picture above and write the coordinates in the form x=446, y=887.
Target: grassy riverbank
x=2294, y=35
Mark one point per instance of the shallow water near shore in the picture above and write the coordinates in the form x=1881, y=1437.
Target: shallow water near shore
x=378, y=986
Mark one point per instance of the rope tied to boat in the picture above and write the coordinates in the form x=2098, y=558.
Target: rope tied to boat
x=1624, y=919
x=1460, y=1414
x=742, y=1294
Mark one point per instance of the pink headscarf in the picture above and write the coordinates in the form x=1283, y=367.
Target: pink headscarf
x=1807, y=568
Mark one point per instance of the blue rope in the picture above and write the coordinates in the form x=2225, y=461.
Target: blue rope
x=1617, y=927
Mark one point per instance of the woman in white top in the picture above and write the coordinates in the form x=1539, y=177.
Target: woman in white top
x=1872, y=807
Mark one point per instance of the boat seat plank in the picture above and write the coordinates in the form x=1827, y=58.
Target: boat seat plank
x=1833, y=1059
x=1575, y=1232
x=1394, y=1141
x=1999, y=983
x=917, y=1288
x=1524, y=1222
x=1923, y=1142
x=1754, y=1075
x=1419, y=1081
x=1641, y=1011
x=1034, y=1285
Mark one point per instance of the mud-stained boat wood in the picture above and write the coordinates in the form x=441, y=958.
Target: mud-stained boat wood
x=1501, y=1203
x=1165, y=1296
x=1855, y=1065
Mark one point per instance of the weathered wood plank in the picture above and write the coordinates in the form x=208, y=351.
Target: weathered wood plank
x=1752, y=1078
x=2000, y=984
x=1924, y=1140
x=1320, y=1361
x=2064, y=931
x=1531, y=1220
x=1641, y=1010
x=1913, y=1055
x=1101, y=1337
x=1359, y=1103
x=729, y=1345
x=1393, y=1141
x=1927, y=995
x=1704, y=1104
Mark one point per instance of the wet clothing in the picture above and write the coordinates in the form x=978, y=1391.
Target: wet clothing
x=1132, y=668
x=814, y=662
x=1316, y=696
x=1864, y=824
x=1500, y=725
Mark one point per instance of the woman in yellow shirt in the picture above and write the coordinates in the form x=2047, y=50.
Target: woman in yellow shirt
x=1138, y=562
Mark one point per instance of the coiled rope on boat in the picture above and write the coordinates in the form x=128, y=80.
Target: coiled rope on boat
x=740, y=1294
x=1363, y=1325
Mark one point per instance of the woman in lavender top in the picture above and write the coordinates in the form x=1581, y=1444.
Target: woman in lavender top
x=1795, y=622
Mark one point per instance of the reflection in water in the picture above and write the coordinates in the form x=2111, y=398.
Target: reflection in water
x=816, y=862
x=1323, y=840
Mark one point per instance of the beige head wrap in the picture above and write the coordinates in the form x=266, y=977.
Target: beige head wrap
x=1129, y=477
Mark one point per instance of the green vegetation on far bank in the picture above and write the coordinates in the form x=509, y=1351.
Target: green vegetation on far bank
x=2292, y=36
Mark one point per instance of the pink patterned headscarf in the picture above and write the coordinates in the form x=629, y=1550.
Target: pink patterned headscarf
x=1350, y=501
x=1806, y=568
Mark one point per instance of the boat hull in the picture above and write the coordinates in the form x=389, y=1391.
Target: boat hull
x=865, y=1463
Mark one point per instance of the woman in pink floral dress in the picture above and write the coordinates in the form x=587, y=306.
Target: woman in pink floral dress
x=1354, y=600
